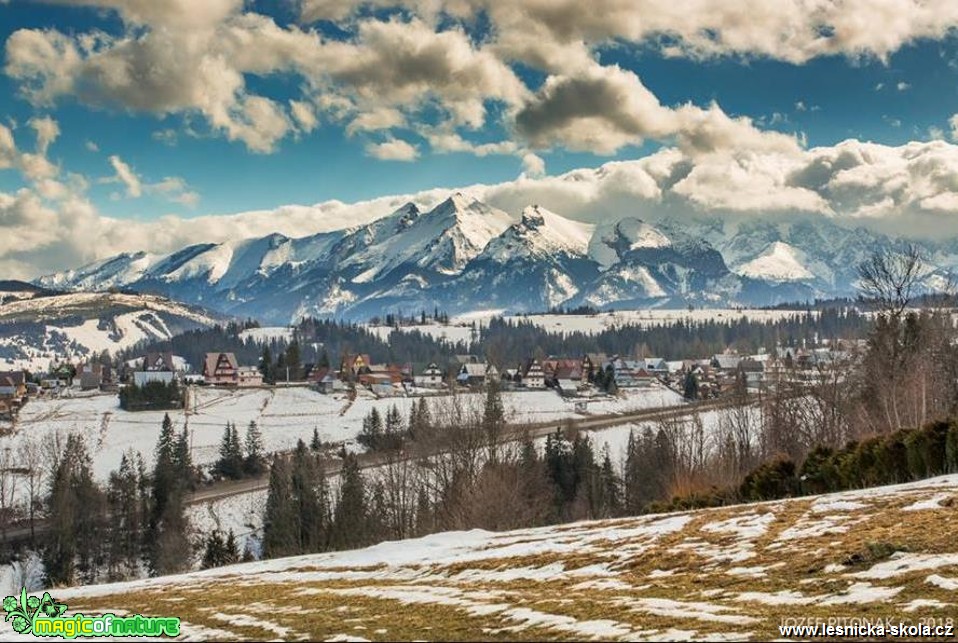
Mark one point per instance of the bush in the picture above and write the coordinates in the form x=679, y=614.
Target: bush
x=893, y=458
x=818, y=474
x=772, y=480
x=951, y=447
x=152, y=396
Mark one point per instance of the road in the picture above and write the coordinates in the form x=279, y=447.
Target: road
x=226, y=489
x=221, y=490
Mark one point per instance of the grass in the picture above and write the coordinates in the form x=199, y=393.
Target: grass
x=464, y=601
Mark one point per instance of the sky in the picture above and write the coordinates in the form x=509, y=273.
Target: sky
x=150, y=124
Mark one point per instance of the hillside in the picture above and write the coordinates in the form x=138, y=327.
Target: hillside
x=56, y=326
x=722, y=574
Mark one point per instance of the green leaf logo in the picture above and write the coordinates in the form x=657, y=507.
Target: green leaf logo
x=23, y=610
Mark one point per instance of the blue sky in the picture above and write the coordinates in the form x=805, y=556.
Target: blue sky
x=159, y=108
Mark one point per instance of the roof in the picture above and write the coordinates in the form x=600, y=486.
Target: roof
x=17, y=378
x=212, y=359
x=474, y=370
x=727, y=361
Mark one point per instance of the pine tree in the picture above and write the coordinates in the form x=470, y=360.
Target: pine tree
x=255, y=462
x=493, y=420
x=371, y=435
x=231, y=461
x=316, y=444
x=215, y=551
x=168, y=542
x=128, y=516
x=312, y=496
x=350, y=519
x=76, y=531
x=281, y=522
x=266, y=365
x=293, y=361
x=183, y=461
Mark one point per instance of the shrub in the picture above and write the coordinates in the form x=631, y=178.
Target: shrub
x=772, y=480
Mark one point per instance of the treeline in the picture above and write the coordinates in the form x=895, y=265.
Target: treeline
x=903, y=456
x=503, y=339
x=152, y=396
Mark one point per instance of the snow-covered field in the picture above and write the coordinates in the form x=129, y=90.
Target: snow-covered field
x=733, y=573
x=284, y=415
x=460, y=328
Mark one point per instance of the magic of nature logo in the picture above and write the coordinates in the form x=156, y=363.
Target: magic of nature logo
x=45, y=617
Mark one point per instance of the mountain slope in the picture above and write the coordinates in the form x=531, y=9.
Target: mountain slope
x=56, y=327
x=464, y=255
x=732, y=573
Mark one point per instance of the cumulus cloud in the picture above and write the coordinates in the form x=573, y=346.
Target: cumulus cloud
x=393, y=150
x=171, y=188
x=911, y=189
x=606, y=108
x=126, y=176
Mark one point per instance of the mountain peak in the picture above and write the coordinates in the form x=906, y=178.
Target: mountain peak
x=532, y=217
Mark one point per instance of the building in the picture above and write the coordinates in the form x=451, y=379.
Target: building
x=725, y=362
x=431, y=377
x=221, y=369
x=248, y=376
x=354, y=365
x=534, y=377
x=13, y=384
x=476, y=374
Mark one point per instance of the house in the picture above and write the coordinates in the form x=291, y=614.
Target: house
x=354, y=365
x=63, y=373
x=754, y=372
x=725, y=362
x=476, y=374
x=656, y=366
x=158, y=362
x=431, y=377
x=248, y=376
x=13, y=384
x=324, y=380
x=220, y=369
x=534, y=377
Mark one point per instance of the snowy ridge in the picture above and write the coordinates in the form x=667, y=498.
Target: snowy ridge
x=779, y=262
x=464, y=255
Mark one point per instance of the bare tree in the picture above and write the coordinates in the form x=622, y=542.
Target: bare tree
x=30, y=456
x=891, y=279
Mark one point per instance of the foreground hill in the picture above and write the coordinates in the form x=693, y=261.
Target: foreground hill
x=720, y=574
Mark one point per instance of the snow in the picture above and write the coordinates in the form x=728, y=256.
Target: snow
x=904, y=563
x=460, y=327
x=266, y=333
x=823, y=506
x=934, y=502
x=778, y=262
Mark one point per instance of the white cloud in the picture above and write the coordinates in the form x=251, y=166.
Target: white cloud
x=393, y=150
x=47, y=131
x=902, y=86
x=304, y=115
x=533, y=165
x=91, y=146
x=911, y=189
x=127, y=176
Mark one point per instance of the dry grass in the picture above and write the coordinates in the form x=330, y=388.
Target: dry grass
x=683, y=582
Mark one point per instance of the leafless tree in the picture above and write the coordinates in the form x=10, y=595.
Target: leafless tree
x=891, y=278
x=30, y=456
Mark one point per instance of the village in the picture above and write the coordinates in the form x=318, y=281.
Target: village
x=158, y=380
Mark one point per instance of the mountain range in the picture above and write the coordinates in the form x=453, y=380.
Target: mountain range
x=464, y=255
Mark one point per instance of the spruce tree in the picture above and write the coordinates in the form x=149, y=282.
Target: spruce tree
x=281, y=523
x=316, y=444
x=312, y=497
x=350, y=519
x=254, y=463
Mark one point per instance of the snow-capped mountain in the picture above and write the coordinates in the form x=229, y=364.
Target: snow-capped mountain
x=465, y=255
